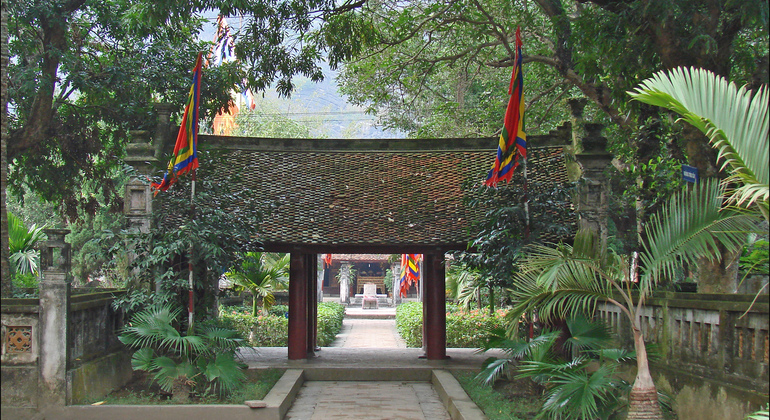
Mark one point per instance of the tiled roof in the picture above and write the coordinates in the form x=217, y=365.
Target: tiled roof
x=340, y=197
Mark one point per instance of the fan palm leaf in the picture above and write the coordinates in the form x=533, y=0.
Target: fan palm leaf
x=735, y=120
x=24, y=257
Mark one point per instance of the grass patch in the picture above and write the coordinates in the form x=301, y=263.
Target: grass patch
x=496, y=402
x=140, y=391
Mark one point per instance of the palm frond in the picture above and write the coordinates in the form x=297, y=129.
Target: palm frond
x=493, y=369
x=224, y=372
x=142, y=359
x=735, y=120
x=690, y=226
x=580, y=395
x=618, y=355
x=587, y=334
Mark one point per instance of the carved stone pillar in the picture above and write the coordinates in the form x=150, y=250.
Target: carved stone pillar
x=345, y=282
x=138, y=203
x=54, y=320
x=576, y=106
x=394, y=268
x=163, y=134
x=593, y=188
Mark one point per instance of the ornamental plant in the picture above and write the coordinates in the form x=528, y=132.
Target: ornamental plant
x=201, y=362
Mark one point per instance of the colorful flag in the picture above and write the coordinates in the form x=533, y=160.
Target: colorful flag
x=186, y=149
x=224, y=48
x=513, y=140
x=327, y=260
x=410, y=272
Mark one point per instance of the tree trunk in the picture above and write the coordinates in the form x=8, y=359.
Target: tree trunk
x=643, y=400
x=5, y=275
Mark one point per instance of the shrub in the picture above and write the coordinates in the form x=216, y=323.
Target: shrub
x=409, y=323
x=463, y=329
x=472, y=329
x=273, y=330
x=330, y=315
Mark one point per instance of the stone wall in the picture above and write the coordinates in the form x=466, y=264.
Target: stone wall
x=20, y=353
x=712, y=356
x=97, y=362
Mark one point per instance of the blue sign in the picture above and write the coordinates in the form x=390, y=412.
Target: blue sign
x=689, y=174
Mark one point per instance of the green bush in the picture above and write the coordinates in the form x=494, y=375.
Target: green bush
x=273, y=330
x=409, y=323
x=330, y=315
x=463, y=329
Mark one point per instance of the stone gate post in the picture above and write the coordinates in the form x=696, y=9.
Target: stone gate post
x=54, y=320
x=345, y=282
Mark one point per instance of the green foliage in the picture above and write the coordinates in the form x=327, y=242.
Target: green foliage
x=261, y=274
x=496, y=406
x=100, y=79
x=224, y=225
x=203, y=362
x=755, y=257
x=330, y=315
x=759, y=415
x=261, y=330
x=409, y=323
x=25, y=281
x=24, y=257
x=500, y=239
x=736, y=121
x=463, y=329
x=272, y=330
x=576, y=388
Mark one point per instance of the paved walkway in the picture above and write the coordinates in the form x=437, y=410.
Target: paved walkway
x=371, y=400
x=368, y=333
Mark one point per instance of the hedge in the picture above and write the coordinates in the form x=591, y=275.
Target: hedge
x=463, y=329
x=273, y=330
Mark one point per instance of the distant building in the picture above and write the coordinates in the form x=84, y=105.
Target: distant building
x=366, y=268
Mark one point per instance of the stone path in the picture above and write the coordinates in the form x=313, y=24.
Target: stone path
x=326, y=400
x=371, y=400
x=368, y=333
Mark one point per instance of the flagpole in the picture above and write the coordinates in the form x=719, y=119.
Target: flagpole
x=190, y=305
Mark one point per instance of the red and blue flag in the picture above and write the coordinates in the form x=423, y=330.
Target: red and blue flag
x=513, y=140
x=186, y=149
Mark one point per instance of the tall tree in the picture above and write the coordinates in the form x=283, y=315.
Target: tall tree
x=5, y=284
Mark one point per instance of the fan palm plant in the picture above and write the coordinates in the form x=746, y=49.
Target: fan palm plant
x=567, y=280
x=735, y=120
x=23, y=255
x=261, y=273
x=182, y=363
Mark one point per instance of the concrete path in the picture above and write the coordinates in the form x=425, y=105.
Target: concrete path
x=370, y=332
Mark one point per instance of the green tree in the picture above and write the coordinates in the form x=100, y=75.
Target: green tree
x=569, y=280
x=261, y=273
x=5, y=269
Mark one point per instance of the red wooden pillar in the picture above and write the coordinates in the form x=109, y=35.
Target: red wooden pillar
x=312, y=302
x=434, y=306
x=298, y=307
